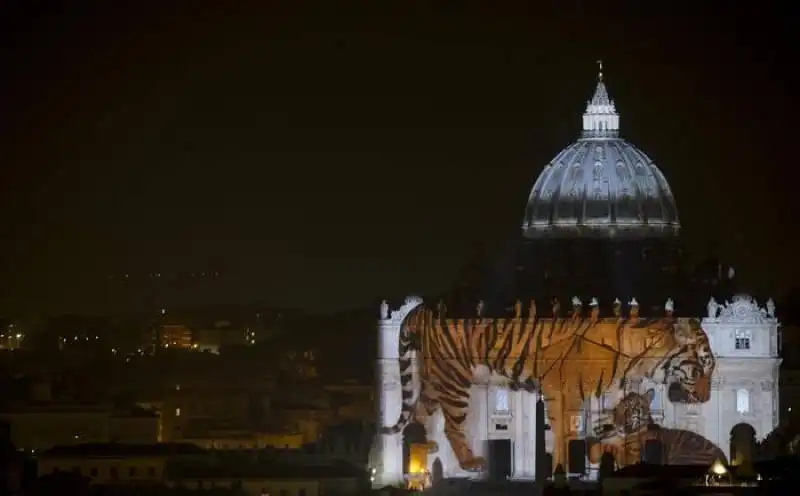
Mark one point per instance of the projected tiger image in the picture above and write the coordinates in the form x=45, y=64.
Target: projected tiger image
x=566, y=360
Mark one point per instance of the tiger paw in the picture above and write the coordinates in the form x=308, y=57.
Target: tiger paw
x=476, y=464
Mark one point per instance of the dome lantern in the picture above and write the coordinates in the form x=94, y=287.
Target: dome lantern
x=600, y=120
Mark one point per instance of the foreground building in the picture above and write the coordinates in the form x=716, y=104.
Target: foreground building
x=484, y=384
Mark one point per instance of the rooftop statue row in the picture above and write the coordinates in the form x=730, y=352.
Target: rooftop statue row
x=743, y=309
x=577, y=308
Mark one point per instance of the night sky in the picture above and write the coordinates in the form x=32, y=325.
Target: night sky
x=322, y=154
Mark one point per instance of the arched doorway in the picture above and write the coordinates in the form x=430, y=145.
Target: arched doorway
x=743, y=443
x=437, y=474
x=414, y=433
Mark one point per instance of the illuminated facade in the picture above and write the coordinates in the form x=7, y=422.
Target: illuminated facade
x=732, y=356
x=175, y=336
x=604, y=374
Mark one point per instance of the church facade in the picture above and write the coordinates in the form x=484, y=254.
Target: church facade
x=573, y=376
x=743, y=337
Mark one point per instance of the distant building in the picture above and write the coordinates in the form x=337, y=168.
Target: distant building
x=175, y=336
x=188, y=466
x=40, y=427
x=11, y=337
x=117, y=463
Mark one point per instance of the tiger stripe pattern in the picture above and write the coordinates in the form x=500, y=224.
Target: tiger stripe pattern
x=632, y=426
x=565, y=359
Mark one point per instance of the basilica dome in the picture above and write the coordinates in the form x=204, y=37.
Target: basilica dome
x=601, y=185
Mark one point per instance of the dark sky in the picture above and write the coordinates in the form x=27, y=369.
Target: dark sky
x=321, y=154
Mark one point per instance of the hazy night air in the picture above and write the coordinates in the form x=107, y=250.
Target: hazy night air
x=292, y=148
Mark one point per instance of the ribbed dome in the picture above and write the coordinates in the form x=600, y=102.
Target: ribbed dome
x=600, y=185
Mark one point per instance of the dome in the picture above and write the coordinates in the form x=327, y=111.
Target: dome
x=601, y=185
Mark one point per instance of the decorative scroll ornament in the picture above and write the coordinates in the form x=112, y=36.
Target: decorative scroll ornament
x=411, y=303
x=413, y=300
x=743, y=310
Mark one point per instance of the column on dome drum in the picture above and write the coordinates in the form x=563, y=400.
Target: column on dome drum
x=577, y=456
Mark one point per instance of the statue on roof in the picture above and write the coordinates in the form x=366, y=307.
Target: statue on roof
x=669, y=306
x=441, y=309
x=384, y=310
x=479, y=308
x=634, y=309
x=713, y=308
x=771, y=308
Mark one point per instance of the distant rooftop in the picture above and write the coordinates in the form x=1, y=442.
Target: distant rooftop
x=270, y=469
x=119, y=450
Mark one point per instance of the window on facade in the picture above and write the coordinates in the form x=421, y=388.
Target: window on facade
x=501, y=403
x=742, y=340
x=656, y=405
x=151, y=471
x=113, y=472
x=132, y=472
x=606, y=401
x=301, y=492
x=93, y=471
x=576, y=424
x=743, y=400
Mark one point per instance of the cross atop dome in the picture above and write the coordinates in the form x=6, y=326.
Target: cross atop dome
x=600, y=120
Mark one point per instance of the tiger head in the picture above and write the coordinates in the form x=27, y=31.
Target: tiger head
x=632, y=413
x=695, y=367
x=682, y=358
x=629, y=416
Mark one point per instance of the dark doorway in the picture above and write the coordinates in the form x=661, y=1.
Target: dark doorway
x=499, y=459
x=437, y=474
x=743, y=443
